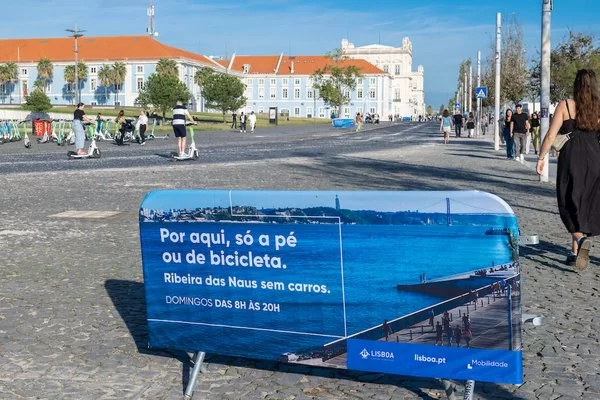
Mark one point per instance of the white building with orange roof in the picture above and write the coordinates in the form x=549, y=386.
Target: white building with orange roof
x=140, y=54
x=407, y=86
x=285, y=82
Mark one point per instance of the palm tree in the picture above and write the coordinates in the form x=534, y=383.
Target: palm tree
x=166, y=66
x=9, y=72
x=82, y=74
x=70, y=77
x=104, y=75
x=45, y=71
x=119, y=72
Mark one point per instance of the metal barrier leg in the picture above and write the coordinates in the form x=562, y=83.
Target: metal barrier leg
x=198, y=360
x=469, y=388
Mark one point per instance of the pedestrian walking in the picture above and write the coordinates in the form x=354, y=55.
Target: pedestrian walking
x=252, y=121
x=470, y=125
x=242, y=122
x=387, y=329
x=458, y=122
x=438, y=333
x=142, y=125
x=358, y=121
x=578, y=169
x=507, y=134
x=468, y=335
x=535, y=131
x=446, y=126
x=519, y=128
x=234, y=120
x=457, y=335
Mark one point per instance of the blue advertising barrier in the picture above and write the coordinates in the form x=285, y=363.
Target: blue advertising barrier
x=378, y=281
x=343, y=122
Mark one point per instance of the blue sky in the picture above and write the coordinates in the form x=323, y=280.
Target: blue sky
x=443, y=32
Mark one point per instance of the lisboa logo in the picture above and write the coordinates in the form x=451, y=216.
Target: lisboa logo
x=364, y=354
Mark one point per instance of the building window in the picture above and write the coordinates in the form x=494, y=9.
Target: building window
x=297, y=93
x=273, y=82
x=119, y=87
x=296, y=111
x=284, y=81
x=372, y=93
x=359, y=94
x=93, y=103
x=93, y=70
x=321, y=112
x=284, y=93
x=359, y=110
x=24, y=88
x=397, y=69
x=93, y=85
x=261, y=92
x=347, y=94
x=372, y=81
x=347, y=112
x=359, y=81
x=261, y=82
x=23, y=71
x=139, y=69
x=272, y=93
x=397, y=94
x=309, y=93
x=261, y=110
x=140, y=84
x=297, y=81
x=386, y=68
x=372, y=110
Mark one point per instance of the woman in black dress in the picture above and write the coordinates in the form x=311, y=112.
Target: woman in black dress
x=578, y=172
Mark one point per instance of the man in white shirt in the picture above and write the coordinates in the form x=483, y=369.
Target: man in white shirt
x=252, y=120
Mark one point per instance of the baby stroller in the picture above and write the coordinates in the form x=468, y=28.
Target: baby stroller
x=125, y=133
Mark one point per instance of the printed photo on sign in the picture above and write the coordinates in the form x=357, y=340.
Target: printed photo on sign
x=296, y=276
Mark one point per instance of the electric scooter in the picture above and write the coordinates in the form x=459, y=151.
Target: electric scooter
x=191, y=152
x=93, y=150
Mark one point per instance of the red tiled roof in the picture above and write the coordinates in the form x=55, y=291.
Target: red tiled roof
x=303, y=65
x=93, y=48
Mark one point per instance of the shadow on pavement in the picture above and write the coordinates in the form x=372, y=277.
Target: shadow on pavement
x=129, y=299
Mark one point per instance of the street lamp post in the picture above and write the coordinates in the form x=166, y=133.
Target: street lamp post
x=76, y=33
x=545, y=79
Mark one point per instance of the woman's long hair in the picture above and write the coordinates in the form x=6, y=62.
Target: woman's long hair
x=446, y=113
x=587, y=100
x=507, y=116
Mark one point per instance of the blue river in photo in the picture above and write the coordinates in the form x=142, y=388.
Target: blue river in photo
x=329, y=288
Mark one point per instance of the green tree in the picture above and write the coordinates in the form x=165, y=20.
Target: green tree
x=69, y=75
x=9, y=72
x=45, y=72
x=336, y=80
x=429, y=109
x=577, y=52
x=167, y=66
x=105, y=78
x=162, y=92
x=37, y=101
x=223, y=92
x=118, y=74
x=200, y=77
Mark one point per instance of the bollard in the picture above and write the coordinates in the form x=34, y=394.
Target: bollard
x=481, y=303
x=397, y=339
x=410, y=334
x=488, y=300
x=422, y=329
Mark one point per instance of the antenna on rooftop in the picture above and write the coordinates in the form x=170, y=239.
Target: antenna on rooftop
x=150, y=29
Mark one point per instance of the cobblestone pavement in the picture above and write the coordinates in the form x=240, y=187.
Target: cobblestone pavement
x=72, y=313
